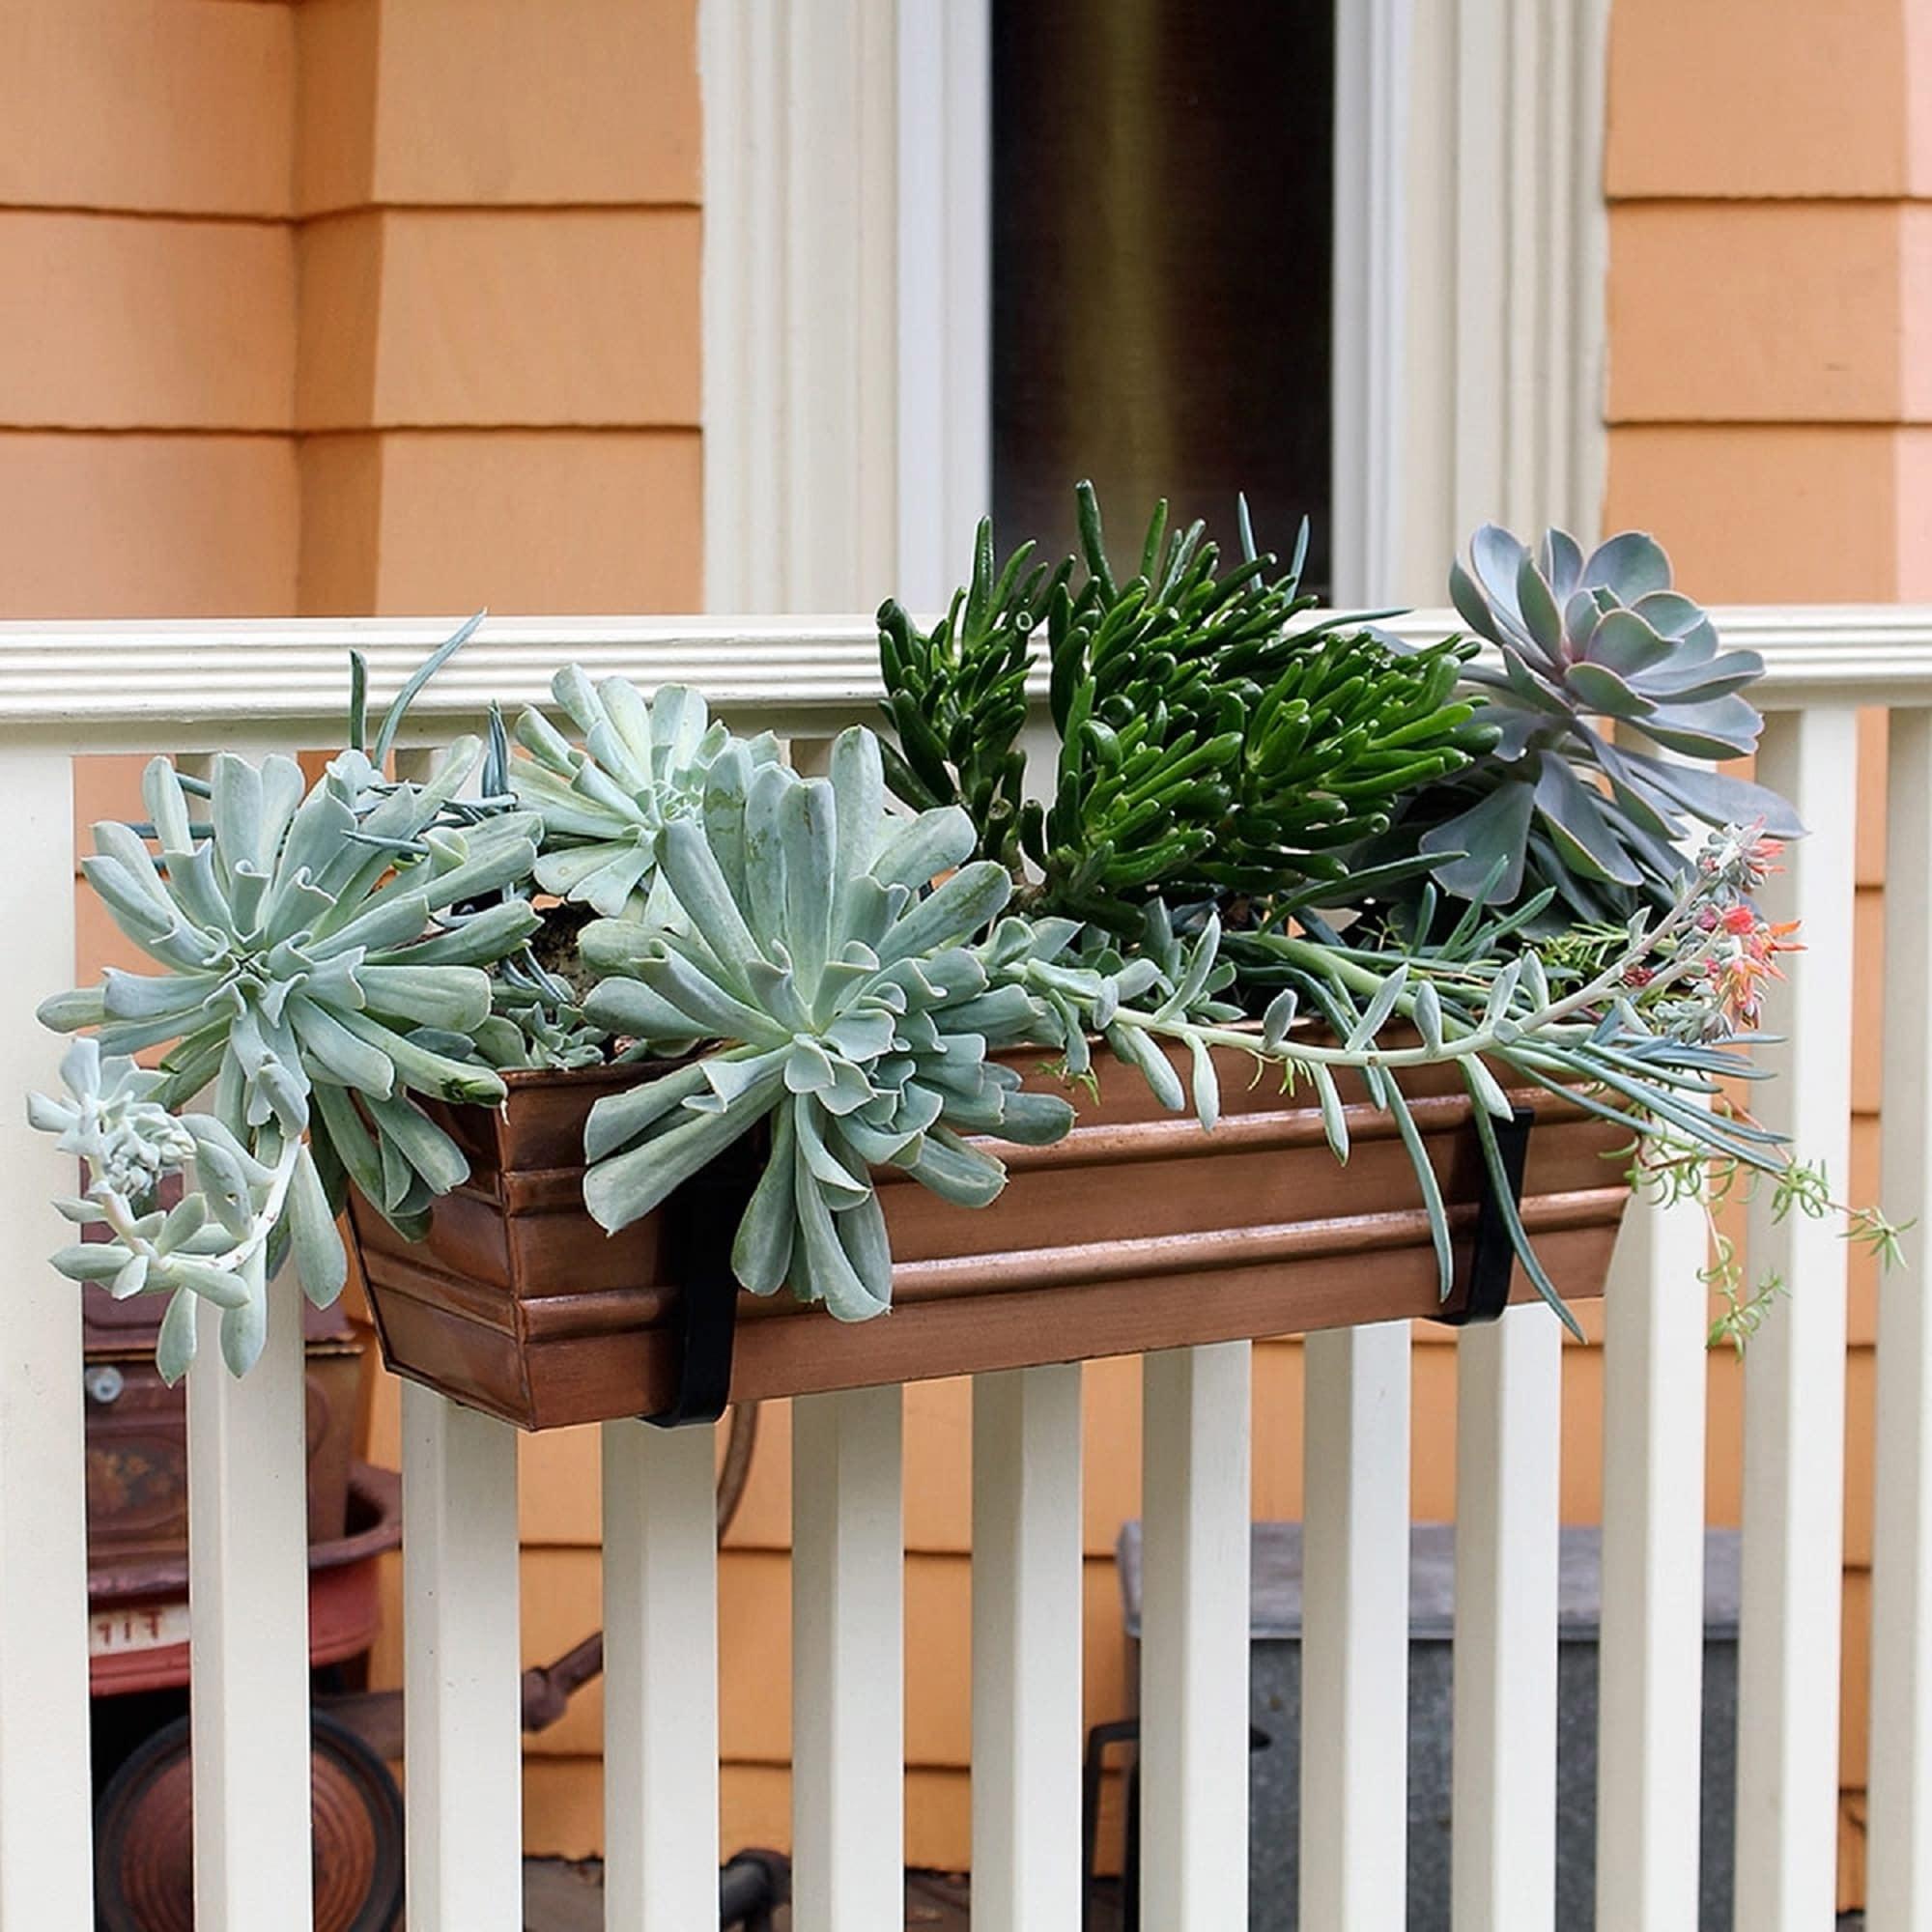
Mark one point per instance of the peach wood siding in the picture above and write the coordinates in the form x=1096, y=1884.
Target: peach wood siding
x=355, y=306
x=1771, y=315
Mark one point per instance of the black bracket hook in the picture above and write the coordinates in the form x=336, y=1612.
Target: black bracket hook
x=701, y=1220
x=1493, y=1255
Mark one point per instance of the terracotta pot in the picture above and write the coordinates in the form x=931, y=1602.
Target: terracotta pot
x=1138, y=1232
x=138, y=1604
x=137, y=1428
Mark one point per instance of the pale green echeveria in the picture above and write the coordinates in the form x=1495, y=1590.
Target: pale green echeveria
x=306, y=948
x=214, y=1244
x=854, y=1011
x=641, y=765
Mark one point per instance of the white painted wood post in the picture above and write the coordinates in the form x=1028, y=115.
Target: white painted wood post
x=1651, y=1654
x=462, y=1716
x=849, y=1691
x=1898, y=1823
x=247, y=1444
x=945, y=321
x=1027, y=1614
x=46, y=1804
x=660, y=1678
x=1787, y=1843
x=1194, y=1638
x=1503, y=1754
x=1354, y=1628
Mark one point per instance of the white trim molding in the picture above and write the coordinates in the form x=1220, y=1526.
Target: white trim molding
x=944, y=291
x=847, y=297
x=1371, y=291
x=192, y=684
x=1471, y=237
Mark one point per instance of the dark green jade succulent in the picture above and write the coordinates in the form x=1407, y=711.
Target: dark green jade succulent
x=1212, y=736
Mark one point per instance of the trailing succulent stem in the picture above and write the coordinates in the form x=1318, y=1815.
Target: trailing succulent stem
x=213, y=1245
x=1647, y=1039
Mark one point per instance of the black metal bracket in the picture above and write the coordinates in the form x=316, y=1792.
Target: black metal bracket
x=1493, y=1256
x=701, y=1220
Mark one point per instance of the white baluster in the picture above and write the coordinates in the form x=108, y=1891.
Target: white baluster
x=46, y=1831
x=660, y=1678
x=1787, y=1844
x=1649, y=1738
x=1194, y=1639
x=462, y=1684
x=1026, y=1650
x=1898, y=1826
x=1503, y=1793
x=848, y=1695
x=1354, y=1630
x=248, y=1608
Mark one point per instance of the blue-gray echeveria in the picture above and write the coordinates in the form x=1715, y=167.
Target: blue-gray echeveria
x=642, y=764
x=854, y=1013
x=1585, y=640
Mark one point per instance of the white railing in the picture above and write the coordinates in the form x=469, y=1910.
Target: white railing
x=75, y=689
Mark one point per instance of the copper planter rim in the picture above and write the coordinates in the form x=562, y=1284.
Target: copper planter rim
x=1140, y=1231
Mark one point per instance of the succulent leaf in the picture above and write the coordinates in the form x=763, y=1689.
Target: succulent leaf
x=1580, y=640
x=849, y=1001
x=643, y=765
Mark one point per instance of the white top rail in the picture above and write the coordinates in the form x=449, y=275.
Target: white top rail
x=107, y=686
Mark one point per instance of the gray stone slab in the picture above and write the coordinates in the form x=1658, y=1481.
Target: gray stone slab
x=1274, y=1789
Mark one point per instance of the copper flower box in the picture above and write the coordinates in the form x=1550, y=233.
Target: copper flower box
x=1138, y=1232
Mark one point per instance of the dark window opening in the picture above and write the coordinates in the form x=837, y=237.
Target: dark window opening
x=1162, y=240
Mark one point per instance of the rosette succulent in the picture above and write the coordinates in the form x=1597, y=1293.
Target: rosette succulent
x=213, y=1243
x=1587, y=645
x=642, y=763
x=851, y=1011
x=323, y=960
x=538, y=1021
x=127, y=1142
